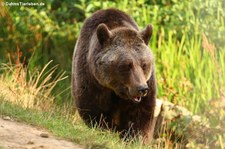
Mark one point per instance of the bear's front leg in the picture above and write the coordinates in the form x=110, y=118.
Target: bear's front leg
x=150, y=131
x=137, y=121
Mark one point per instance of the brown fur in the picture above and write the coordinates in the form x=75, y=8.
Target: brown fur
x=112, y=68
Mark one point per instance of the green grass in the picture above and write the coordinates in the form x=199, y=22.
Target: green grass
x=22, y=99
x=188, y=74
x=63, y=126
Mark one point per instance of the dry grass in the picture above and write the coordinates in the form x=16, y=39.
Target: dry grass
x=29, y=89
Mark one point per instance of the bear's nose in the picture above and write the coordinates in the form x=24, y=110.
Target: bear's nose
x=142, y=90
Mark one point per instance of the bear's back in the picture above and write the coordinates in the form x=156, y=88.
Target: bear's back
x=111, y=17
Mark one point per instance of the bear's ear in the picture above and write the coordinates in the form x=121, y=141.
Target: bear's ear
x=103, y=33
x=147, y=33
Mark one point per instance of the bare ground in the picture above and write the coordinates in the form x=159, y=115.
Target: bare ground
x=17, y=135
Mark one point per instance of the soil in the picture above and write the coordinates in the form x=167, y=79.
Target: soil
x=17, y=135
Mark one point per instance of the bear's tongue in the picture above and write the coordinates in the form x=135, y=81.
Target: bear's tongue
x=137, y=99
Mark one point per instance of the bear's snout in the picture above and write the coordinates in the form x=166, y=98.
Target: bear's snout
x=142, y=90
x=136, y=93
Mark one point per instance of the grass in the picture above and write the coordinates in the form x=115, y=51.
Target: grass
x=69, y=126
x=20, y=93
x=187, y=72
x=17, y=102
x=64, y=121
x=62, y=126
x=28, y=89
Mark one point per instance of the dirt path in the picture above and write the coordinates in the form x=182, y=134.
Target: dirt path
x=16, y=135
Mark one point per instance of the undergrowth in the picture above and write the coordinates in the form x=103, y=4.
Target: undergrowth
x=25, y=96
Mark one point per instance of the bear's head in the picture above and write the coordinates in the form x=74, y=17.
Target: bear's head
x=125, y=62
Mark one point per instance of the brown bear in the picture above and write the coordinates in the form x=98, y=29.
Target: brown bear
x=113, y=76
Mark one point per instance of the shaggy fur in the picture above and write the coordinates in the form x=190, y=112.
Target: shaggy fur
x=113, y=77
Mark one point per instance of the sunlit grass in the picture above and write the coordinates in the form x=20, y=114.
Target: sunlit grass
x=29, y=89
x=188, y=73
x=71, y=127
x=64, y=121
x=24, y=94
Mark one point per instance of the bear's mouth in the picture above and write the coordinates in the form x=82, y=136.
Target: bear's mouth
x=124, y=93
x=136, y=99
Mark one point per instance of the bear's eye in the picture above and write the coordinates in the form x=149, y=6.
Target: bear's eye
x=144, y=66
x=126, y=67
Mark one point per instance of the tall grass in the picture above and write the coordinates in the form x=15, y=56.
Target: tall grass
x=29, y=89
x=27, y=96
x=190, y=72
